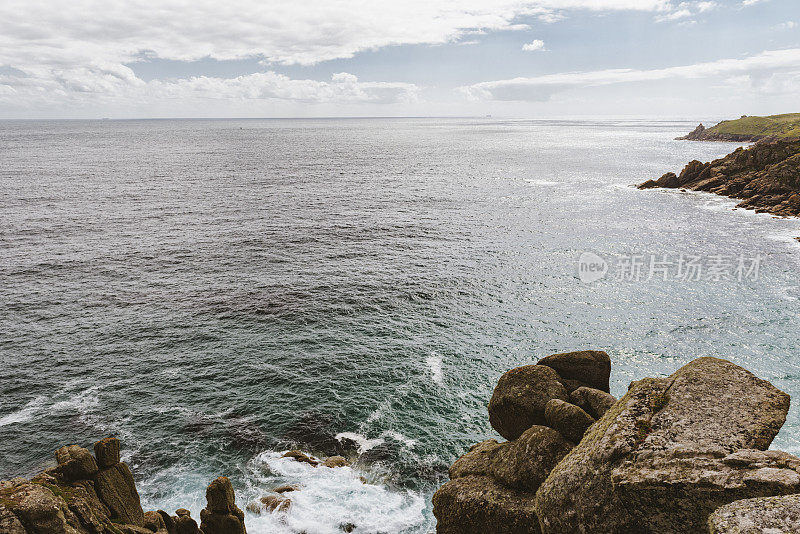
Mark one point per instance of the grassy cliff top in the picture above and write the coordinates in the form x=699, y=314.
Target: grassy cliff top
x=786, y=125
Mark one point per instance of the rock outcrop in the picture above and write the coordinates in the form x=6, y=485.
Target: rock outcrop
x=492, y=487
x=668, y=457
x=766, y=177
x=221, y=515
x=87, y=494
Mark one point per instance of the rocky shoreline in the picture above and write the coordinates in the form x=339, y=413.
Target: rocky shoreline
x=96, y=494
x=766, y=177
x=687, y=453
x=701, y=133
x=681, y=454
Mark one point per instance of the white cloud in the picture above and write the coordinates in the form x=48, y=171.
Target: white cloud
x=788, y=25
x=759, y=69
x=72, y=50
x=537, y=45
x=747, y=3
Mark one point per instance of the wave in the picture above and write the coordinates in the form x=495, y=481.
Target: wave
x=329, y=499
x=26, y=413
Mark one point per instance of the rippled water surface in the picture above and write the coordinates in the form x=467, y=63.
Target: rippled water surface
x=213, y=291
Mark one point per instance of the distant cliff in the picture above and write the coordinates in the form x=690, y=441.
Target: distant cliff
x=765, y=176
x=748, y=129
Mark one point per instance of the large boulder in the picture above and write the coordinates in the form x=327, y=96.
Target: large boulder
x=479, y=505
x=774, y=515
x=525, y=463
x=593, y=401
x=37, y=508
x=479, y=460
x=117, y=490
x=659, y=460
x=570, y=420
x=520, y=396
x=75, y=463
x=107, y=452
x=587, y=367
x=221, y=515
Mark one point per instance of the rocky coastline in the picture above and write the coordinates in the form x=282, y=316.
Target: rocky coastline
x=687, y=453
x=701, y=133
x=765, y=176
x=96, y=494
x=680, y=454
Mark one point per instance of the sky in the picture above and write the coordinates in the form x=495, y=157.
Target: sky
x=317, y=58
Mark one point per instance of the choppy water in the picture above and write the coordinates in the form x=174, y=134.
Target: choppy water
x=198, y=287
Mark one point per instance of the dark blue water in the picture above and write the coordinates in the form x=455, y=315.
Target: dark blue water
x=213, y=291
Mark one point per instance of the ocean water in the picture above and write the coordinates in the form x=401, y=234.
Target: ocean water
x=212, y=292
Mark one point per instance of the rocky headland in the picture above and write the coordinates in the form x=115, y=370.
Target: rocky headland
x=682, y=454
x=765, y=176
x=749, y=129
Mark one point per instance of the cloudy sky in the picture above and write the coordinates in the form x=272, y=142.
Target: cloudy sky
x=274, y=58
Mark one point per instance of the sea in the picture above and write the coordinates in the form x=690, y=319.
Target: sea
x=215, y=292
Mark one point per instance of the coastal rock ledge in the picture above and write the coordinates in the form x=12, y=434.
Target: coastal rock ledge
x=680, y=454
x=87, y=494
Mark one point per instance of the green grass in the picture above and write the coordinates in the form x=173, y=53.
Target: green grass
x=786, y=125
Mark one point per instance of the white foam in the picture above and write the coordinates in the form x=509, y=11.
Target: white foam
x=364, y=444
x=80, y=403
x=434, y=362
x=328, y=498
x=542, y=182
x=25, y=413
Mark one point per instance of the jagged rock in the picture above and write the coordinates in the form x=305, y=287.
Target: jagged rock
x=75, y=463
x=570, y=420
x=335, y=461
x=107, y=452
x=301, y=457
x=184, y=524
x=765, y=176
x=590, y=367
x=520, y=396
x=169, y=523
x=694, y=135
x=479, y=460
x=593, y=401
x=525, y=463
x=87, y=507
x=655, y=462
x=479, y=505
x=183, y=512
x=772, y=515
x=221, y=515
x=37, y=508
x=117, y=490
x=270, y=503
x=154, y=521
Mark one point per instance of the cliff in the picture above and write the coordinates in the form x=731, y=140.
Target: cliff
x=680, y=454
x=749, y=129
x=765, y=176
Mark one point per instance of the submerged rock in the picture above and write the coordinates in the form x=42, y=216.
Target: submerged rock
x=520, y=396
x=655, y=462
x=301, y=457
